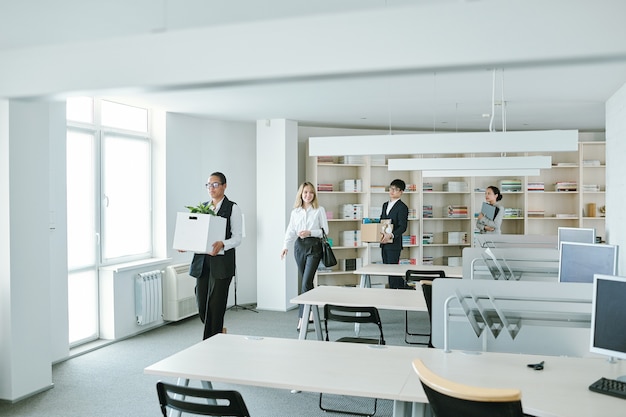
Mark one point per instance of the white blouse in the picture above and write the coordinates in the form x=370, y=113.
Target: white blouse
x=313, y=219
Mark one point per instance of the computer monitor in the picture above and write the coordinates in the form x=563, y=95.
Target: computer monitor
x=608, y=316
x=576, y=234
x=578, y=262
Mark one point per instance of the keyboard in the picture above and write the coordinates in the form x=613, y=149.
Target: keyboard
x=609, y=387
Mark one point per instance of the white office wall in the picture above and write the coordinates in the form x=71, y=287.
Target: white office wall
x=5, y=255
x=197, y=147
x=616, y=174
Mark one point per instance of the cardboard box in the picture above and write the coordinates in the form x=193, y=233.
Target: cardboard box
x=372, y=232
x=196, y=232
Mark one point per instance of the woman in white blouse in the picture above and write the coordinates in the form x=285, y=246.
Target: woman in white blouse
x=304, y=231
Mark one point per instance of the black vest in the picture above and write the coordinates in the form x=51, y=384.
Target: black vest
x=221, y=266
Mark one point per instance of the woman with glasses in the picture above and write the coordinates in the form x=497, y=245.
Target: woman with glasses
x=214, y=271
x=304, y=231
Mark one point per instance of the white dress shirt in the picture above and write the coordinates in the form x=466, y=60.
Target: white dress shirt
x=313, y=219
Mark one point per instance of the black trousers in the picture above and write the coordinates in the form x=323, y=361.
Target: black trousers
x=391, y=255
x=211, y=296
x=308, y=253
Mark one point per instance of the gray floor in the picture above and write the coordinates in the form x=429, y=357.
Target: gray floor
x=110, y=381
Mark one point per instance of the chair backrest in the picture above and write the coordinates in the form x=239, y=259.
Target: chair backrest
x=358, y=315
x=200, y=401
x=451, y=399
x=426, y=278
x=418, y=275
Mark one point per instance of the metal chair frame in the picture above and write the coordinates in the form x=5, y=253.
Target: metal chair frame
x=421, y=275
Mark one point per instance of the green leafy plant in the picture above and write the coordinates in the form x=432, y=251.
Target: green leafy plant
x=202, y=208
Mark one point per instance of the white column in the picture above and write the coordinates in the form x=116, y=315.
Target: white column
x=25, y=266
x=616, y=174
x=277, y=183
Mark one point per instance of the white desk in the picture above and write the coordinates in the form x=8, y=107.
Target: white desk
x=560, y=390
x=385, y=299
x=399, y=270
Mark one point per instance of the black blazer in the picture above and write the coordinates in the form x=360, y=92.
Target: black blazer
x=222, y=266
x=399, y=216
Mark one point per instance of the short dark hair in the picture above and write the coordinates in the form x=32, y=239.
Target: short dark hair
x=221, y=176
x=398, y=184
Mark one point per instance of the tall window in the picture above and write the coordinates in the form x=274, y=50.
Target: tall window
x=109, y=200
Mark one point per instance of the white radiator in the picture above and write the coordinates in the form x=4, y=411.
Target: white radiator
x=179, y=296
x=148, y=297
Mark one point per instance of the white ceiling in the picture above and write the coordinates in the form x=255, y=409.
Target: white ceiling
x=536, y=97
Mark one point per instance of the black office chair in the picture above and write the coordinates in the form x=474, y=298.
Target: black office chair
x=200, y=401
x=426, y=278
x=354, y=315
x=451, y=399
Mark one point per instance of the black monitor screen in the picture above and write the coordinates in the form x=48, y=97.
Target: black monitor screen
x=608, y=317
x=578, y=262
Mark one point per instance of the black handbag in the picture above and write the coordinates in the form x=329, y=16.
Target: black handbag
x=328, y=257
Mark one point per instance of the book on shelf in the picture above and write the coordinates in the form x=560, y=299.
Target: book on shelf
x=427, y=186
x=510, y=186
x=350, y=238
x=535, y=213
x=566, y=186
x=427, y=211
x=324, y=187
x=351, y=211
x=413, y=214
x=409, y=240
x=511, y=213
x=565, y=164
x=326, y=160
x=409, y=261
x=536, y=186
x=591, y=188
x=455, y=211
x=351, y=185
x=457, y=237
x=350, y=159
x=591, y=163
x=427, y=238
x=455, y=186
x=565, y=215
x=427, y=260
x=411, y=188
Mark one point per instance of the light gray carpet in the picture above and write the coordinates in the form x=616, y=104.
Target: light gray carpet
x=110, y=381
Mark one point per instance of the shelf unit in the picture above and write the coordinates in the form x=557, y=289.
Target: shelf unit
x=587, y=167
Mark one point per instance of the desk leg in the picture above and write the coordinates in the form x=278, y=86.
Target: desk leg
x=317, y=322
x=365, y=281
x=304, y=327
x=406, y=409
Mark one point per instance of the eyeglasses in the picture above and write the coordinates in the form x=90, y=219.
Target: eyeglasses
x=210, y=185
x=394, y=189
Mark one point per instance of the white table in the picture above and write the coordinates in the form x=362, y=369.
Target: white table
x=399, y=270
x=560, y=390
x=385, y=299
